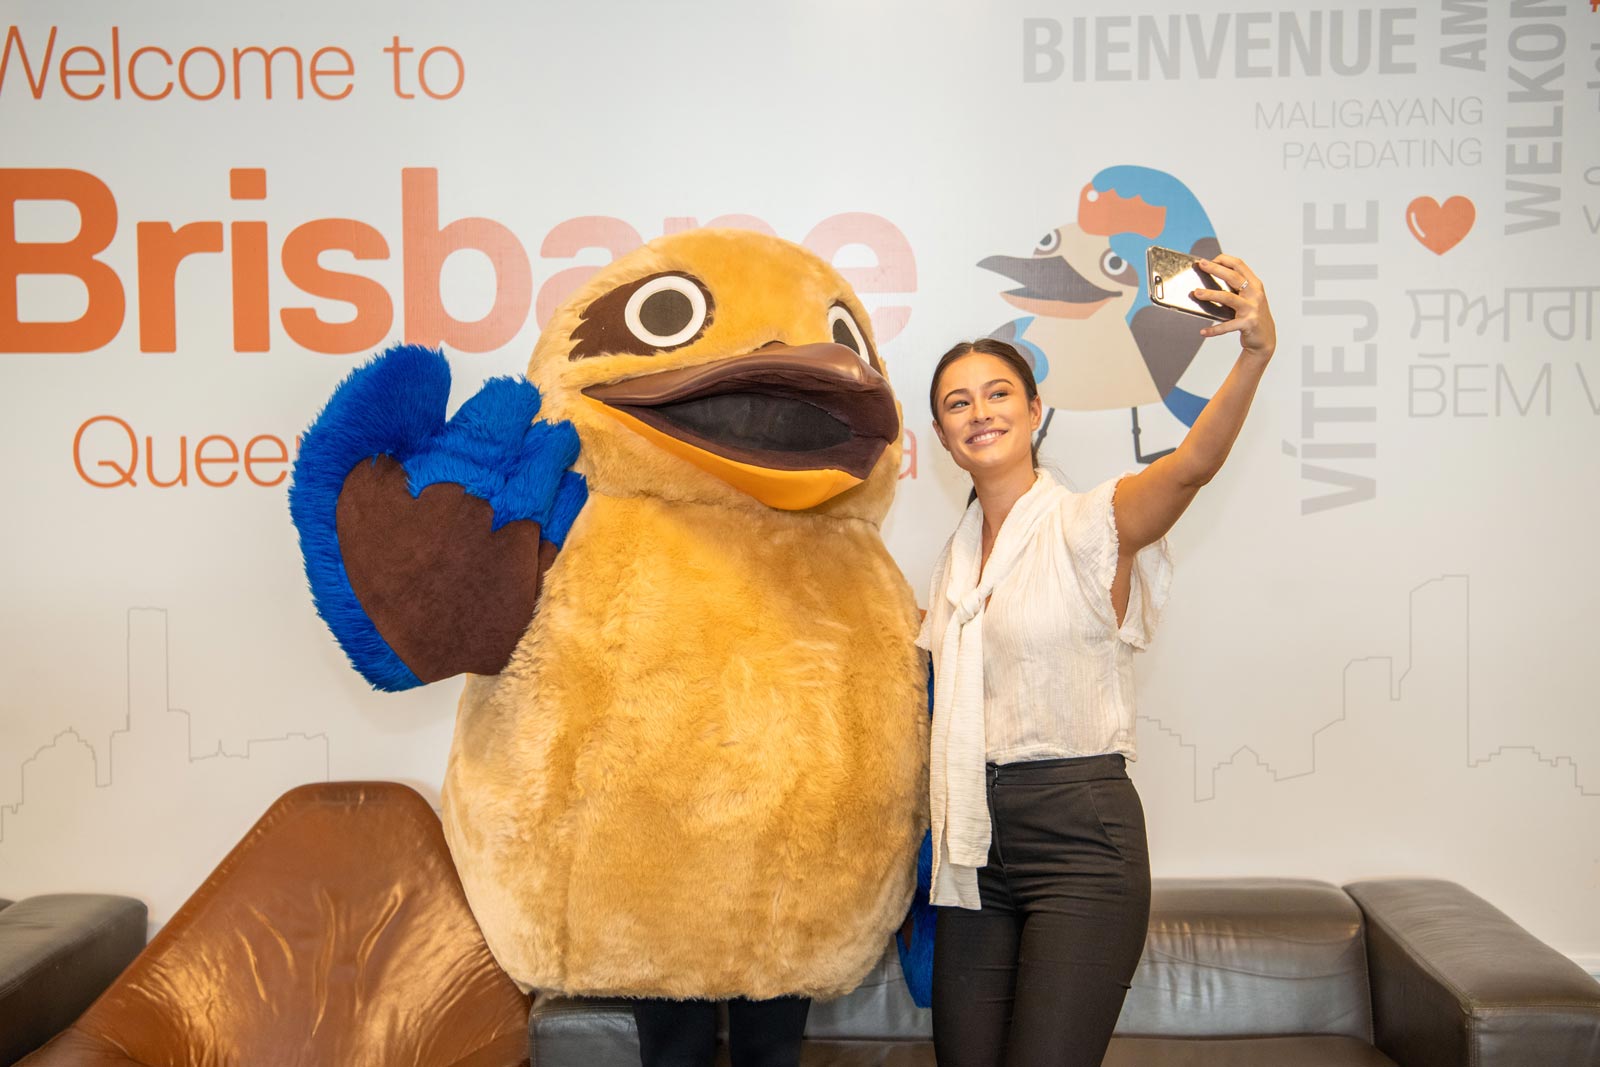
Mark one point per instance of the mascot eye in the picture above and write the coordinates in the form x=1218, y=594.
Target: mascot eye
x=1048, y=243
x=845, y=332
x=665, y=311
x=654, y=314
x=1118, y=269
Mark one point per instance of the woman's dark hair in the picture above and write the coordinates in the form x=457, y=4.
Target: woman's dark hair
x=989, y=347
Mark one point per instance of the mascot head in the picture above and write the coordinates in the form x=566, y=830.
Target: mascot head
x=724, y=367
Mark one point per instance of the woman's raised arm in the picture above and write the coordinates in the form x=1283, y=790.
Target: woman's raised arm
x=1148, y=503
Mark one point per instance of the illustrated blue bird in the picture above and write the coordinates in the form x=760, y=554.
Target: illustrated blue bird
x=1095, y=340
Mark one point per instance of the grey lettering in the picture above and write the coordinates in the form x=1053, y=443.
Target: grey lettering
x=1357, y=488
x=1337, y=60
x=1248, y=41
x=1469, y=19
x=1105, y=47
x=1534, y=215
x=1365, y=310
x=1207, y=62
x=1588, y=393
x=1533, y=90
x=1307, y=45
x=1503, y=386
x=1529, y=162
x=1435, y=389
x=1389, y=39
x=1163, y=50
x=1041, y=50
x=1338, y=374
x=1334, y=272
x=1313, y=415
x=1340, y=232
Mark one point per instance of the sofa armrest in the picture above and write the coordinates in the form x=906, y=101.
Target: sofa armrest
x=593, y=1031
x=1456, y=982
x=57, y=954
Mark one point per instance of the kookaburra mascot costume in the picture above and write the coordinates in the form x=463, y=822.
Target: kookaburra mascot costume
x=689, y=755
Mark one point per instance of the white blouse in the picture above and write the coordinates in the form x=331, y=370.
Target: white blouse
x=1057, y=669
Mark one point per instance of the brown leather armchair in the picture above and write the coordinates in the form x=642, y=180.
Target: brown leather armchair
x=336, y=932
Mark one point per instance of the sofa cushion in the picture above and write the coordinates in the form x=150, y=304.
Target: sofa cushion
x=1128, y=1052
x=1313, y=1051
x=880, y=1009
x=1256, y=956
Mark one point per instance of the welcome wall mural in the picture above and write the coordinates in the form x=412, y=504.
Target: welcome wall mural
x=1376, y=658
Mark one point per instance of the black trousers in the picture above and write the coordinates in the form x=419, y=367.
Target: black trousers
x=683, y=1033
x=1036, y=978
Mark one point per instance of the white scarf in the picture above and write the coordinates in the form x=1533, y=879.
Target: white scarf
x=957, y=796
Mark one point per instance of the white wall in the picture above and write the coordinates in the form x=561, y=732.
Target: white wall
x=1399, y=684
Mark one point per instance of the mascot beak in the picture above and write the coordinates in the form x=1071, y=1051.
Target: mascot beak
x=792, y=426
x=1049, y=286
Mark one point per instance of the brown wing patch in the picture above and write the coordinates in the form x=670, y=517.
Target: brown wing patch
x=446, y=593
x=1168, y=341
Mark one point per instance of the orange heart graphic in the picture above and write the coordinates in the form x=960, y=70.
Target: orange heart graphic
x=1440, y=227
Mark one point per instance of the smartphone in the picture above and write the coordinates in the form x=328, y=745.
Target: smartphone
x=1174, y=275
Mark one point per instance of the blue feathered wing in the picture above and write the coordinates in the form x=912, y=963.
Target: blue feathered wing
x=426, y=540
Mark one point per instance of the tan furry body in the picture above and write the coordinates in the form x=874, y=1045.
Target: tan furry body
x=703, y=772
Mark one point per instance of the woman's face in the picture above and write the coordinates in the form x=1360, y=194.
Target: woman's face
x=985, y=419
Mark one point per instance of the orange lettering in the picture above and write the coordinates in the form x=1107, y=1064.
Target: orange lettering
x=251, y=459
x=133, y=76
x=374, y=311
x=569, y=238
x=426, y=247
x=397, y=50
x=422, y=72
x=96, y=71
x=317, y=73
x=183, y=73
x=161, y=249
x=97, y=209
x=266, y=70
x=895, y=272
x=201, y=459
x=35, y=84
x=251, y=315
x=182, y=477
x=124, y=474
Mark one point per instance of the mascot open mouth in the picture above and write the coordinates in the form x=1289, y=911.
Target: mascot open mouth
x=785, y=423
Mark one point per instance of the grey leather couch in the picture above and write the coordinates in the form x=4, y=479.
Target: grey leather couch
x=57, y=953
x=1244, y=973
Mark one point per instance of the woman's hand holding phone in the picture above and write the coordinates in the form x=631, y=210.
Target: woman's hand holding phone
x=1252, y=317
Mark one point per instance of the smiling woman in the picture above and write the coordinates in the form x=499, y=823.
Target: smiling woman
x=1038, y=603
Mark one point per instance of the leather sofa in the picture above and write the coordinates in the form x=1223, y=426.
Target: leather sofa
x=335, y=933
x=57, y=953
x=1244, y=973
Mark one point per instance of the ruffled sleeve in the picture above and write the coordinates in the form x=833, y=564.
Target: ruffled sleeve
x=1092, y=541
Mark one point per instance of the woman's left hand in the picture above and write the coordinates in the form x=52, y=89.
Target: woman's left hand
x=1252, y=318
